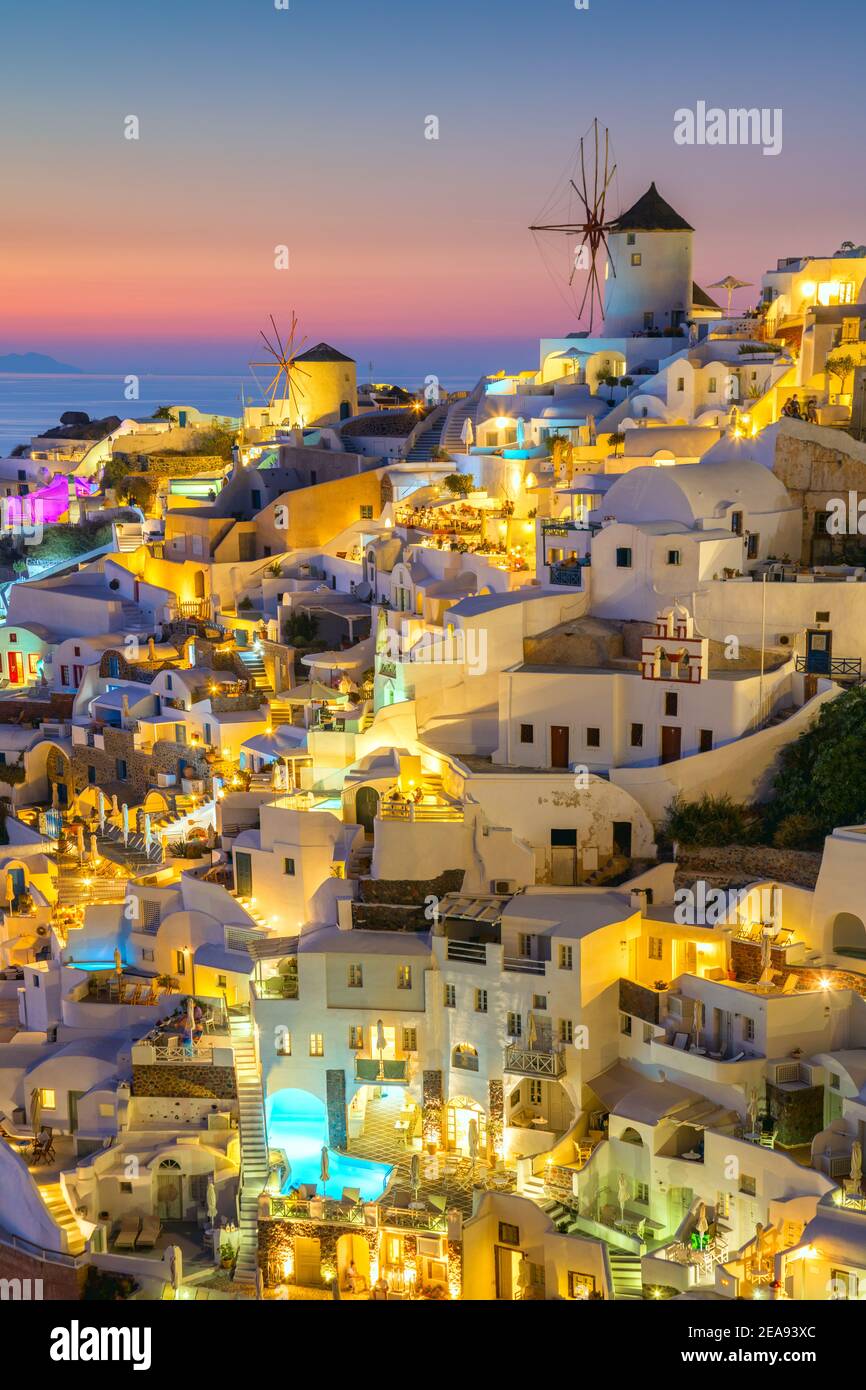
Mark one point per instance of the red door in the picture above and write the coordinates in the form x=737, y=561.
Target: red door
x=671, y=743
x=14, y=668
x=559, y=745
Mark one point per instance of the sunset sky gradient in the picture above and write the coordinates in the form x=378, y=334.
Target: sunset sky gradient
x=306, y=127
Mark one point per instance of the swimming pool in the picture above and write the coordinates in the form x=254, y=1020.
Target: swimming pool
x=297, y=1122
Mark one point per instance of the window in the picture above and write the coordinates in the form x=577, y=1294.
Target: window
x=481, y=1001
x=317, y=1045
x=580, y=1285
x=593, y=738
x=850, y=330
x=449, y=998
x=675, y=557
x=283, y=1042
x=356, y=977
x=524, y=945
x=146, y=954
x=566, y=1030
x=289, y=867
x=366, y=513
x=539, y=1003
x=49, y=1098
x=121, y=769
x=641, y=1193
x=222, y=982
x=635, y=257
x=404, y=977
x=566, y=957
x=625, y=1025
x=681, y=383
x=629, y=238
x=712, y=385
x=180, y=962
x=705, y=740
x=833, y=1080
x=752, y=545
x=737, y=523
x=168, y=682
x=514, y=1025
x=648, y=320
x=623, y=557
x=748, y=1185
x=822, y=617
x=527, y=733
x=671, y=702
x=748, y=1030
x=126, y=1187
x=655, y=947
x=723, y=1206
x=535, y=1092
x=91, y=775
x=76, y=651
x=508, y=1234
x=410, y=1039
x=356, y=1036
x=648, y=1032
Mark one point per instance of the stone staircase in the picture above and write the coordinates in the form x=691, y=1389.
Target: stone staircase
x=134, y=620
x=280, y=713
x=452, y=435
x=130, y=537
x=255, y=670
x=254, y=1143
x=58, y=1208
x=426, y=442
x=625, y=1272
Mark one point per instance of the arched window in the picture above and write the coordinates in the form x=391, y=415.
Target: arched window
x=631, y=1136
x=849, y=935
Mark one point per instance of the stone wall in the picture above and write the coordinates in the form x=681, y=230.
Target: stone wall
x=335, y=1087
x=735, y=866
x=495, y=1119
x=60, y=1283
x=799, y=1115
x=141, y=767
x=196, y=1080
x=816, y=464
x=277, y=1243
x=432, y=1104
x=746, y=961
x=638, y=1000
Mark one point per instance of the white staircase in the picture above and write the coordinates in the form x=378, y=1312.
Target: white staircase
x=625, y=1272
x=254, y=1143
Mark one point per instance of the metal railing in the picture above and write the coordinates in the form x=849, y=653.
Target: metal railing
x=475, y=952
x=522, y=965
x=847, y=666
x=412, y=811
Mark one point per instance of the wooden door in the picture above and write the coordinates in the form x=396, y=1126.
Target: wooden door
x=671, y=743
x=559, y=745
x=14, y=668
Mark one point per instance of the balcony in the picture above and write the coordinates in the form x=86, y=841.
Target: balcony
x=472, y=952
x=841, y=668
x=382, y=1071
x=419, y=811
x=523, y=965
x=526, y=1061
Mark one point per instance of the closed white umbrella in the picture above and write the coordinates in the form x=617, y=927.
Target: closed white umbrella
x=125, y=824
x=415, y=1175
x=35, y=1108
x=467, y=434
x=211, y=1201
x=702, y=1225
x=190, y=1017
x=101, y=809
x=380, y=1041
x=175, y=1265
x=521, y=431
x=148, y=833
x=324, y=1170
x=79, y=841
x=856, y=1165
x=622, y=1194
x=93, y=850
x=260, y=1285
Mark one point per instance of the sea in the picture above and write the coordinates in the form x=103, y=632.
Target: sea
x=31, y=404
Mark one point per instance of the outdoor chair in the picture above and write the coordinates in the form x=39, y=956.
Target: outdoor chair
x=681, y=1042
x=128, y=1233
x=147, y=1236
x=351, y=1197
x=790, y=984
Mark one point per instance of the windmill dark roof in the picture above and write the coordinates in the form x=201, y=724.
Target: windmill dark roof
x=700, y=298
x=651, y=214
x=323, y=352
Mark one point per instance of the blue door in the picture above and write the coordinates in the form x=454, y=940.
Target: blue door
x=819, y=648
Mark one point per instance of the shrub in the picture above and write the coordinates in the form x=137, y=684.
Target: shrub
x=711, y=820
x=798, y=831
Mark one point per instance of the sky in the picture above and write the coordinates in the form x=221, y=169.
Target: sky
x=305, y=127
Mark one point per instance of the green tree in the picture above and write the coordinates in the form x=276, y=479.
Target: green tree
x=460, y=484
x=840, y=365
x=823, y=774
x=217, y=441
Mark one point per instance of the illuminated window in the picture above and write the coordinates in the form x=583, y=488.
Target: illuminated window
x=450, y=996
x=410, y=1039
x=655, y=948
x=635, y=257
x=356, y=1036
x=508, y=1234
x=404, y=977
x=566, y=958
x=317, y=1045
x=580, y=1285
x=356, y=977
x=49, y=1099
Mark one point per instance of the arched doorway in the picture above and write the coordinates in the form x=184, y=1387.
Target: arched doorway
x=169, y=1191
x=460, y=1115
x=849, y=935
x=366, y=807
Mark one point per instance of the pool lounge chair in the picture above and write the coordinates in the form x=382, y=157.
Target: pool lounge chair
x=128, y=1233
x=147, y=1236
x=351, y=1197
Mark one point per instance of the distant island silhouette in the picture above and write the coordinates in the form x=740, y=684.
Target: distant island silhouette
x=36, y=363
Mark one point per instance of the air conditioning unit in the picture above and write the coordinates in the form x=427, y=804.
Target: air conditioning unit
x=504, y=885
x=166, y=779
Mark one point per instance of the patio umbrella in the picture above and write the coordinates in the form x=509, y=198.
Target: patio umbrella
x=260, y=1285
x=622, y=1194
x=190, y=1017
x=118, y=964
x=175, y=1266
x=415, y=1175
x=101, y=810
x=324, y=1171
x=148, y=833
x=532, y=1033
x=93, y=849
x=211, y=1201
x=115, y=805
x=729, y=283
x=79, y=841
x=856, y=1165
x=467, y=434
x=125, y=824
x=702, y=1225
x=699, y=1020
x=521, y=431
x=380, y=1040
x=35, y=1109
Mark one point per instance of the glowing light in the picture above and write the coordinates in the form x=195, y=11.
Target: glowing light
x=808, y=288
x=502, y=421
x=825, y=984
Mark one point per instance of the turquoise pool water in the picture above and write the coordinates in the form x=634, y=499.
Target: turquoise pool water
x=297, y=1122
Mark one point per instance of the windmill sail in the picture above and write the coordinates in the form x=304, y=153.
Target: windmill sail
x=577, y=217
x=284, y=392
